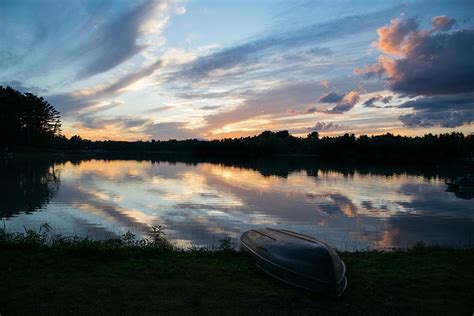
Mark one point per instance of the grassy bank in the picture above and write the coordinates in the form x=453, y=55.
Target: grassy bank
x=85, y=277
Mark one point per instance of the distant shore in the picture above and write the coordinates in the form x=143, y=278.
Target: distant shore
x=381, y=149
x=92, y=278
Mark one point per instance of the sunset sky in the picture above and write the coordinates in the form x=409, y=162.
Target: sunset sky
x=209, y=69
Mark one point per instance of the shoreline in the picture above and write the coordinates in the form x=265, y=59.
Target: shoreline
x=55, y=153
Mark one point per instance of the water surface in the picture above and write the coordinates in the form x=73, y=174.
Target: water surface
x=200, y=203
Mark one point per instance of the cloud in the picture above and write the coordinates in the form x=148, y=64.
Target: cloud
x=96, y=107
x=346, y=104
x=129, y=127
x=123, y=83
x=434, y=66
x=387, y=99
x=252, y=51
x=325, y=83
x=425, y=63
x=20, y=86
x=61, y=44
x=118, y=39
x=392, y=38
x=269, y=102
x=370, y=103
x=170, y=130
x=310, y=109
x=330, y=97
x=85, y=106
x=68, y=103
x=113, y=126
x=159, y=109
x=210, y=107
x=324, y=126
x=369, y=71
x=445, y=111
x=442, y=23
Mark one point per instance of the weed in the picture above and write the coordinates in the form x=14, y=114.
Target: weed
x=226, y=244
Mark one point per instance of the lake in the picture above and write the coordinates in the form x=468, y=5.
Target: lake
x=200, y=203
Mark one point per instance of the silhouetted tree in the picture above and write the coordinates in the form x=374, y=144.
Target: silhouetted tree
x=26, y=119
x=75, y=142
x=313, y=135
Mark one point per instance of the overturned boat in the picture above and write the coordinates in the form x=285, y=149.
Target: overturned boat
x=297, y=259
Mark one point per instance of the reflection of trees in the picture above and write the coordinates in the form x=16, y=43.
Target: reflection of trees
x=283, y=166
x=463, y=194
x=26, y=185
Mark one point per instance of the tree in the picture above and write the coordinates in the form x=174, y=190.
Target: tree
x=75, y=142
x=313, y=136
x=26, y=119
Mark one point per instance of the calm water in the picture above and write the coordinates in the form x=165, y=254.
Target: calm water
x=201, y=203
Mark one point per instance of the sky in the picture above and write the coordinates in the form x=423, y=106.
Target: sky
x=209, y=69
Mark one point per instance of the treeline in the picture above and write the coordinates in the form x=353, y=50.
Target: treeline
x=382, y=148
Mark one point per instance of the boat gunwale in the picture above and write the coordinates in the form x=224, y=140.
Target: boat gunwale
x=297, y=235
x=263, y=234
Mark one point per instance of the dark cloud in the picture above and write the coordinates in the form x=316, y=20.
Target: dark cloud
x=330, y=97
x=346, y=104
x=437, y=64
x=159, y=109
x=124, y=122
x=116, y=41
x=387, y=99
x=310, y=109
x=445, y=111
x=324, y=126
x=210, y=107
x=170, y=130
x=430, y=63
x=370, y=103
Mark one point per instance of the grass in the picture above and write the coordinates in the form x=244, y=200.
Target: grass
x=128, y=277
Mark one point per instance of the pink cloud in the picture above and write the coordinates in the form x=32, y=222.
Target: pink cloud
x=442, y=23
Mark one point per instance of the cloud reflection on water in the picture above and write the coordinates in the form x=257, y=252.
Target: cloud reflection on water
x=199, y=204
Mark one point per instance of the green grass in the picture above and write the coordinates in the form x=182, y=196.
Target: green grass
x=87, y=277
